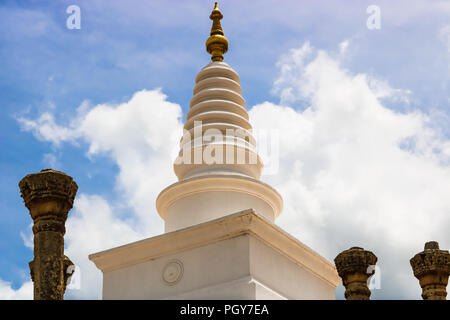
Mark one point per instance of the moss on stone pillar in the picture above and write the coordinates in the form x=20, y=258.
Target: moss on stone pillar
x=432, y=268
x=352, y=266
x=49, y=196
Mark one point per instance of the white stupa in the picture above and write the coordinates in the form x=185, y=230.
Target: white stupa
x=220, y=239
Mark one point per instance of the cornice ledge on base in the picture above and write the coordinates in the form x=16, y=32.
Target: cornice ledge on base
x=230, y=226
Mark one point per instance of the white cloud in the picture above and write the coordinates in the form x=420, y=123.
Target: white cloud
x=382, y=90
x=290, y=81
x=25, y=292
x=343, y=46
x=46, y=129
x=295, y=82
x=92, y=227
x=27, y=237
x=140, y=136
x=353, y=172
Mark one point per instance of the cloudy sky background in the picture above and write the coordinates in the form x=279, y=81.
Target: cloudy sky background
x=362, y=115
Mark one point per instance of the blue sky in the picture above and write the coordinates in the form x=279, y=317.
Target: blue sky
x=124, y=47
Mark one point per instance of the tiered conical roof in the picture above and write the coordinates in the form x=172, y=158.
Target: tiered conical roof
x=224, y=143
x=217, y=111
x=218, y=166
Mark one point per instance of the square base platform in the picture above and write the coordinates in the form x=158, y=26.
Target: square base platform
x=239, y=256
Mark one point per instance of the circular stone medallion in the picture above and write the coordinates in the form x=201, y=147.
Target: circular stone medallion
x=172, y=272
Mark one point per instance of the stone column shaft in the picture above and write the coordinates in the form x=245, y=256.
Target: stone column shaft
x=47, y=268
x=49, y=196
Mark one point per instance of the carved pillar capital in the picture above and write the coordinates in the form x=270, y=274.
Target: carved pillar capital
x=49, y=196
x=352, y=266
x=432, y=268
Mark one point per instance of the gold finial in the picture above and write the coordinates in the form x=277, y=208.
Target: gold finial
x=216, y=44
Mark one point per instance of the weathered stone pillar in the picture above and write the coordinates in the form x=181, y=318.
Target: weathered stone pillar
x=49, y=196
x=352, y=266
x=432, y=268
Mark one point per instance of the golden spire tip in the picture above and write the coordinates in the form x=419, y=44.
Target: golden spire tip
x=216, y=44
